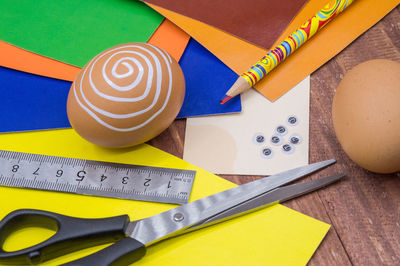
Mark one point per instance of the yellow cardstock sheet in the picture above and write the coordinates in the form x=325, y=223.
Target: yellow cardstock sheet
x=273, y=236
x=226, y=144
x=240, y=55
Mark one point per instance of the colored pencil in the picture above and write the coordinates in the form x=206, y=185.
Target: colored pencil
x=287, y=47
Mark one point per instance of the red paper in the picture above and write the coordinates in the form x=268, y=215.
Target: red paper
x=257, y=21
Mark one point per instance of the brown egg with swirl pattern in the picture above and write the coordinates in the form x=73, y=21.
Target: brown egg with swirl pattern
x=126, y=95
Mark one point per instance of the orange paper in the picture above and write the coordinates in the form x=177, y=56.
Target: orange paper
x=167, y=36
x=170, y=38
x=17, y=58
x=239, y=55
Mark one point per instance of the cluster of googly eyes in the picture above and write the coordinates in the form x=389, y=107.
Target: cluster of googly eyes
x=277, y=139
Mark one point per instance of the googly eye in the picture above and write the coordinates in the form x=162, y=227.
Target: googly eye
x=258, y=138
x=267, y=152
x=276, y=140
x=288, y=148
x=292, y=120
x=295, y=139
x=281, y=130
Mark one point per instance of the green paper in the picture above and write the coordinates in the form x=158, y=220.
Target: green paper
x=74, y=31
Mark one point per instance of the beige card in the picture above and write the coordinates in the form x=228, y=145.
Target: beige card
x=264, y=139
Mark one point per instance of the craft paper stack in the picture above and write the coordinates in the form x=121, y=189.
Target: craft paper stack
x=241, y=40
x=53, y=50
x=229, y=137
x=239, y=54
x=43, y=46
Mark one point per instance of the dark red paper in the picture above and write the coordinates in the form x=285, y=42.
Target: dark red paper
x=260, y=22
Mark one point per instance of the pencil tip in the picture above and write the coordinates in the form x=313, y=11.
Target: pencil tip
x=225, y=99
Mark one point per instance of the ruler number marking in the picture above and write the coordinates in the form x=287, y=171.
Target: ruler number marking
x=59, y=173
x=147, y=182
x=36, y=171
x=125, y=180
x=103, y=177
x=15, y=168
x=81, y=175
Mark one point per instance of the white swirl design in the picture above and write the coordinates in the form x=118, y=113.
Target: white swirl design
x=129, y=63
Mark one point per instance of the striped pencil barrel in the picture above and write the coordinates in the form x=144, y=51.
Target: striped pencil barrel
x=288, y=46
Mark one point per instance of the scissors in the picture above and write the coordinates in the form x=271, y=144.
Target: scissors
x=132, y=237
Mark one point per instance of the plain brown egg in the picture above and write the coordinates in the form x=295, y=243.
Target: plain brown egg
x=366, y=115
x=126, y=95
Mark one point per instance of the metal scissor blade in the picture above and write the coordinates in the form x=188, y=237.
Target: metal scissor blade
x=273, y=197
x=166, y=224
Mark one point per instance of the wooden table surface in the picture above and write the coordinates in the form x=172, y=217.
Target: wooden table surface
x=364, y=209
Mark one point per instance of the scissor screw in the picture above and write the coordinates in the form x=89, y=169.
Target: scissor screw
x=178, y=217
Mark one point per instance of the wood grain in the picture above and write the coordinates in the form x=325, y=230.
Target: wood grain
x=364, y=209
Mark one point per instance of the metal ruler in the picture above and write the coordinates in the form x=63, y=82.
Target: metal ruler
x=25, y=170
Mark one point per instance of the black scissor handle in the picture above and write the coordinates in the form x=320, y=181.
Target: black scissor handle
x=122, y=253
x=71, y=234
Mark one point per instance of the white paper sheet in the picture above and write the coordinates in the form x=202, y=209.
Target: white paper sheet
x=227, y=144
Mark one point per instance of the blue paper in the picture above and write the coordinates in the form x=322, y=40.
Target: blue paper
x=207, y=80
x=31, y=102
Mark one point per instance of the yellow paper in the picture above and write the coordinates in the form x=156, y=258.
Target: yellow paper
x=273, y=236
